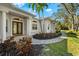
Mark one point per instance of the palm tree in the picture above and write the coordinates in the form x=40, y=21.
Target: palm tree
x=39, y=7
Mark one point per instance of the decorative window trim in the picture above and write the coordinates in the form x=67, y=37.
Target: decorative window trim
x=15, y=19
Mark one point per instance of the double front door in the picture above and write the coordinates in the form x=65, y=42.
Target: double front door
x=17, y=28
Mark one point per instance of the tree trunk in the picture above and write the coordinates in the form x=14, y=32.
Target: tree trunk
x=76, y=18
x=72, y=22
x=40, y=23
x=40, y=26
x=75, y=22
x=43, y=28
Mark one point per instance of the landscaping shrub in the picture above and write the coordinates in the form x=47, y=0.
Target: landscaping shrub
x=46, y=35
x=64, y=28
x=13, y=48
x=71, y=34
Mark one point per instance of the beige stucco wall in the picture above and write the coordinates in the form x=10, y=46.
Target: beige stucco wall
x=49, y=27
x=38, y=27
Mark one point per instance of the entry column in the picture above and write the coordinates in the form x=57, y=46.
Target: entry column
x=29, y=27
x=3, y=26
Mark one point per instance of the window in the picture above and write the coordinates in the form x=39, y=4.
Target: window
x=48, y=26
x=34, y=25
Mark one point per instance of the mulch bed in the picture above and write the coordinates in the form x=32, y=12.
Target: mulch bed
x=45, y=36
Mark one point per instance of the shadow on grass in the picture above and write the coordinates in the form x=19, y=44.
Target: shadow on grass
x=72, y=34
x=57, y=49
x=54, y=49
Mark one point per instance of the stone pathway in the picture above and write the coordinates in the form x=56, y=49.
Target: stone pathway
x=48, y=41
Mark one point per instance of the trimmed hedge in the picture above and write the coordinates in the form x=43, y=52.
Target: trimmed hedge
x=71, y=34
x=42, y=36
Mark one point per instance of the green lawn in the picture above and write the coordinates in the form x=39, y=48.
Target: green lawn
x=56, y=49
x=69, y=46
x=73, y=43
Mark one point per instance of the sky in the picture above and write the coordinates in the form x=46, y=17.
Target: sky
x=52, y=7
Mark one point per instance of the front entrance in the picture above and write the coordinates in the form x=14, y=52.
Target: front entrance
x=17, y=28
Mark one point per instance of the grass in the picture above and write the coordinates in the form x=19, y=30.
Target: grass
x=67, y=47
x=73, y=46
x=73, y=42
x=56, y=49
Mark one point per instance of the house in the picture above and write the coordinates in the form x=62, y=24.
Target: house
x=14, y=21
x=49, y=25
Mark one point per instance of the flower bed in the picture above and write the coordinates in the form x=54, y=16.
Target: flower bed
x=46, y=35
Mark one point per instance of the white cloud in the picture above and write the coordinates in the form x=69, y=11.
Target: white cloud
x=31, y=11
x=48, y=10
x=19, y=4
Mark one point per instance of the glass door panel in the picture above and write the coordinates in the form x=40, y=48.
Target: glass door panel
x=14, y=27
x=17, y=28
